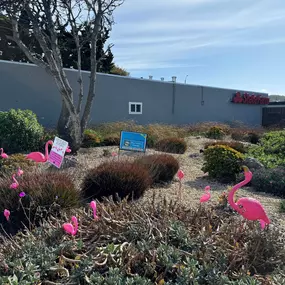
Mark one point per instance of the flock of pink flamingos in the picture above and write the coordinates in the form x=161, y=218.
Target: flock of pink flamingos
x=249, y=208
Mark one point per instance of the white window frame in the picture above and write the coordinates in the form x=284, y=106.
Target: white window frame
x=135, y=103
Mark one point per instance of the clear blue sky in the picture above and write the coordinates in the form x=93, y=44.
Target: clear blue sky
x=236, y=44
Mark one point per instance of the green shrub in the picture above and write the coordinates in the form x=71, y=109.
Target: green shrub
x=271, y=149
x=20, y=131
x=222, y=162
x=11, y=165
x=116, y=178
x=238, y=146
x=48, y=135
x=161, y=167
x=269, y=181
x=215, y=132
x=46, y=194
x=172, y=145
x=91, y=139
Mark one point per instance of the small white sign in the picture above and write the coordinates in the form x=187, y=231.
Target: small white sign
x=57, y=152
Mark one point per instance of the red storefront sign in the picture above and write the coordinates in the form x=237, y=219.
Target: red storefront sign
x=245, y=98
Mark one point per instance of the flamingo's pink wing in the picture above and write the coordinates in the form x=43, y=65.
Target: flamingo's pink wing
x=36, y=156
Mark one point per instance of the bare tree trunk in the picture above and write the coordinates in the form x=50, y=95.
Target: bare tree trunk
x=69, y=127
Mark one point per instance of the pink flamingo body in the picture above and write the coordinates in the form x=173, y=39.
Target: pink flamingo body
x=7, y=214
x=93, y=206
x=38, y=156
x=207, y=196
x=249, y=208
x=3, y=155
x=15, y=184
x=20, y=172
x=68, y=150
x=71, y=228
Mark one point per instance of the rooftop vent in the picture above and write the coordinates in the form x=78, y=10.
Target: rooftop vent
x=174, y=78
x=150, y=77
x=162, y=78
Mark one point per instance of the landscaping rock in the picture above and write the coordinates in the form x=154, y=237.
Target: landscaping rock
x=252, y=163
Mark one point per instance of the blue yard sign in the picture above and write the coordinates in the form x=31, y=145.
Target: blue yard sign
x=133, y=141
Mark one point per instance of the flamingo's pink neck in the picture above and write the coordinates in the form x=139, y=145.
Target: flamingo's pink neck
x=2, y=150
x=14, y=179
x=46, y=154
x=248, y=176
x=75, y=223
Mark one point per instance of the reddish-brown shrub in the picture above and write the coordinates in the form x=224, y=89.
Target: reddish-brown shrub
x=46, y=194
x=122, y=178
x=240, y=147
x=161, y=167
x=172, y=145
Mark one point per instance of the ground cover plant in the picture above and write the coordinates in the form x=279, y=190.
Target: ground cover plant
x=153, y=243
x=271, y=149
x=238, y=146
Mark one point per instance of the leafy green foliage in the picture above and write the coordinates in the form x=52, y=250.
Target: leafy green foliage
x=215, y=132
x=238, y=146
x=222, y=162
x=270, y=181
x=122, y=178
x=271, y=149
x=172, y=145
x=161, y=167
x=11, y=165
x=91, y=139
x=142, y=244
x=20, y=131
x=46, y=194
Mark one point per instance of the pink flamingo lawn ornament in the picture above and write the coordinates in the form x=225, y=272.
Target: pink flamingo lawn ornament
x=68, y=150
x=3, y=154
x=7, y=214
x=180, y=175
x=38, y=156
x=248, y=207
x=207, y=196
x=15, y=184
x=71, y=228
x=20, y=172
x=93, y=206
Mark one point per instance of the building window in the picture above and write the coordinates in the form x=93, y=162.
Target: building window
x=135, y=108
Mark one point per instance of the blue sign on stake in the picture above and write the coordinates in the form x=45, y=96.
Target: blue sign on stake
x=133, y=141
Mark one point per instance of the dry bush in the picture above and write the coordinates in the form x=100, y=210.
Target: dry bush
x=46, y=193
x=161, y=167
x=240, y=147
x=111, y=141
x=246, y=134
x=171, y=145
x=122, y=178
x=155, y=132
x=148, y=243
x=11, y=165
x=203, y=128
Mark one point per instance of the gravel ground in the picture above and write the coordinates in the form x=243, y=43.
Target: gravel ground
x=194, y=181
